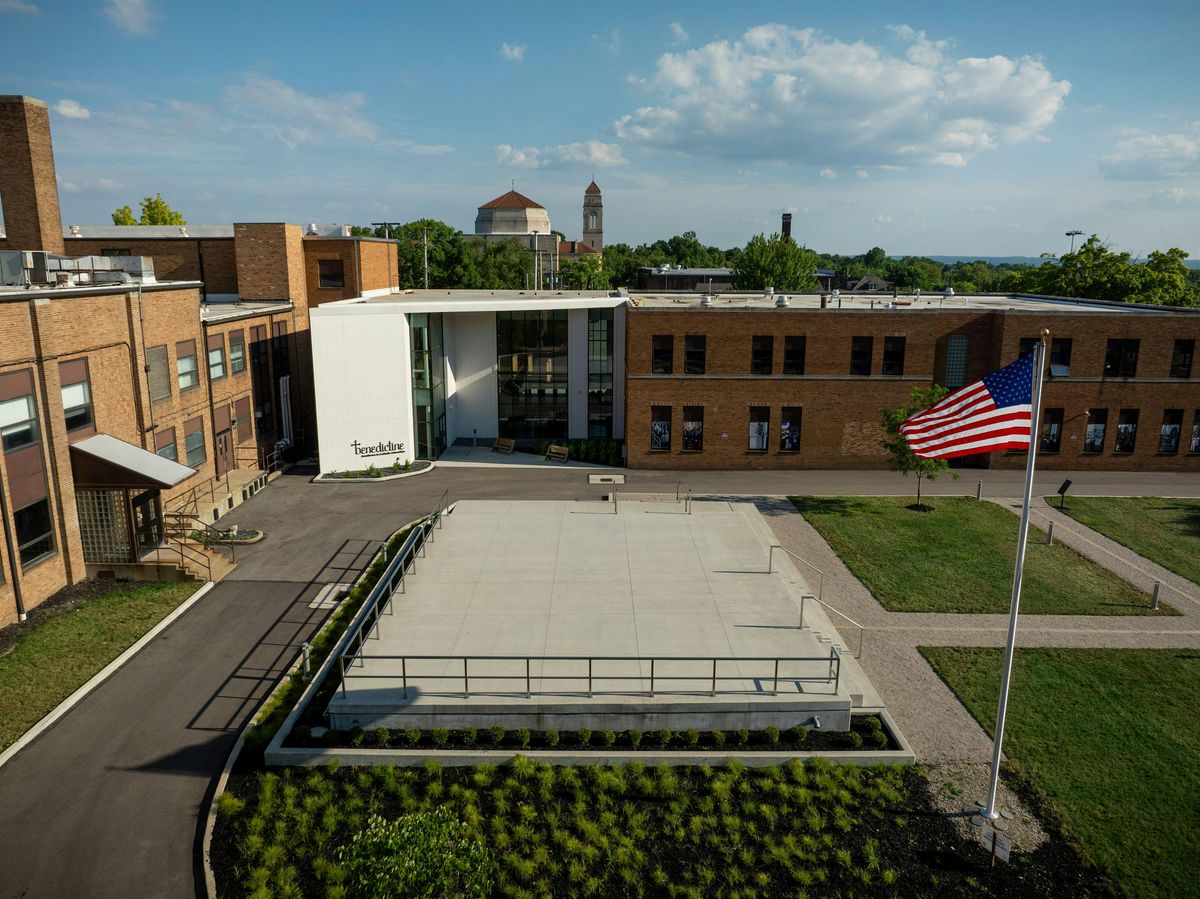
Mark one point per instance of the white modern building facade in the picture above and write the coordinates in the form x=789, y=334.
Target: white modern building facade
x=399, y=376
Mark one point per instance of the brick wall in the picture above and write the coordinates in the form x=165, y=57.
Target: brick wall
x=28, y=189
x=211, y=260
x=270, y=261
x=317, y=249
x=841, y=412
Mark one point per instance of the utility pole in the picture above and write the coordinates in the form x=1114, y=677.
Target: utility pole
x=1073, y=235
x=425, y=250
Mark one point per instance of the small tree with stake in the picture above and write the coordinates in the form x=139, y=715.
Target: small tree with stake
x=903, y=459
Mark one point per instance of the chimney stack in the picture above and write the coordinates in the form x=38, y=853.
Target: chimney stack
x=787, y=225
x=28, y=189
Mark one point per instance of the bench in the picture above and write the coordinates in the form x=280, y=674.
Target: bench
x=504, y=445
x=556, y=453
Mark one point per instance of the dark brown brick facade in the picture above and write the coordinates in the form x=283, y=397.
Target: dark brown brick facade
x=28, y=188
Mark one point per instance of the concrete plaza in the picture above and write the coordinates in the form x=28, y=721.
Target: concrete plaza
x=555, y=584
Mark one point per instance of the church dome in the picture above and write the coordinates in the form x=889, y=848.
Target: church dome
x=512, y=213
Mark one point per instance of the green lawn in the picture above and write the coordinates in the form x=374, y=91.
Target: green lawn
x=1166, y=531
x=1110, y=737
x=51, y=661
x=959, y=558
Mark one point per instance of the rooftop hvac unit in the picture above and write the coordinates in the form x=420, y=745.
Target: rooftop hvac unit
x=346, y=229
x=705, y=301
x=781, y=302
x=312, y=229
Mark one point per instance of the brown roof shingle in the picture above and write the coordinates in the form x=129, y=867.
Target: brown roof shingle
x=512, y=200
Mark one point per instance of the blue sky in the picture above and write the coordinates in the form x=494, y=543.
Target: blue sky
x=930, y=128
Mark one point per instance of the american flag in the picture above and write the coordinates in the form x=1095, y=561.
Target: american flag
x=992, y=414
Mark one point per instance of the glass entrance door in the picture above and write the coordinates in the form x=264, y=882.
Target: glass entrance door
x=147, y=519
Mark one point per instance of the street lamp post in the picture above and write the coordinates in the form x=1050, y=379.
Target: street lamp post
x=1073, y=235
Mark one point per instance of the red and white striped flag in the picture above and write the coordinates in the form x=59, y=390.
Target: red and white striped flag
x=993, y=414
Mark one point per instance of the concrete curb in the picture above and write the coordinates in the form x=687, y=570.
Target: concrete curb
x=326, y=479
x=100, y=677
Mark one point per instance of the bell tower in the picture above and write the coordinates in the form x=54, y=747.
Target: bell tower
x=593, y=218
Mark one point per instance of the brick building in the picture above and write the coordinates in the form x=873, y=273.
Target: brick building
x=142, y=368
x=749, y=382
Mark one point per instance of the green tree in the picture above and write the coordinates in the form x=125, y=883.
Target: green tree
x=775, y=262
x=423, y=854
x=502, y=265
x=1095, y=272
x=902, y=458
x=155, y=211
x=585, y=273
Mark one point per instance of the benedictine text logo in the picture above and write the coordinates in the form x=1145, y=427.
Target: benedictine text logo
x=377, y=449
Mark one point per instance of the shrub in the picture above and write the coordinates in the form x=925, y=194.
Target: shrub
x=412, y=736
x=609, y=737
x=852, y=740
x=496, y=733
x=635, y=738
x=408, y=466
x=469, y=736
x=797, y=734
x=357, y=735
x=879, y=739
x=440, y=736
x=691, y=737
x=585, y=736
x=743, y=736
x=664, y=736
x=522, y=735
x=382, y=735
x=771, y=733
x=423, y=854
x=718, y=737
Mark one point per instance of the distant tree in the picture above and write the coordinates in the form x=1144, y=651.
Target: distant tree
x=585, y=273
x=875, y=259
x=155, y=211
x=775, y=262
x=502, y=265
x=1095, y=272
x=903, y=459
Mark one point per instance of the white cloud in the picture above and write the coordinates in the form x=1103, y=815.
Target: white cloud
x=96, y=184
x=69, y=109
x=828, y=173
x=134, y=17
x=610, y=40
x=294, y=118
x=771, y=93
x=512, y=52
x=881, y=219
x=679, y=34
x=862, y=173
x=29, y=9
x=584, y=153
x=1142, y=156
x=69, y=186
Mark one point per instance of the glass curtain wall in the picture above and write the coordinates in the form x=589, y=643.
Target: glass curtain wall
x=531, y=352
x=429, y=384
x=600, y=373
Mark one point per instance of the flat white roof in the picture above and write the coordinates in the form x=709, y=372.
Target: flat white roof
x=471, y=301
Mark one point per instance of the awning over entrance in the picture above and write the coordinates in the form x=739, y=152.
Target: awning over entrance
x=105, y=461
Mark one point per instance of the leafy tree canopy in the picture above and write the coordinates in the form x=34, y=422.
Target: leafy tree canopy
x=455, y=260
x=1095, y=272
x=585, y=273
x=155, y=211
x=901, y=458
x=777, y=262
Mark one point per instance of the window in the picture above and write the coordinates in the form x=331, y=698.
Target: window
x=76, y=394
x=793, y=355
x=159, y=376
x=789, y=429
x=77, y=405
x=956, y=361
x=35, y=534
x=164, y=444
x=243, y=419
x=762, y=354
x=1172, y=425
x=193, y=441
x=330, y=273
x=662, y=351
x=693, y=428
x=1181, y=358
x=1093, y=437
x=1120, y=360
x=185, y=363
x=893, y=356
x=1194, y=443
x=216, y=357
x=600, y=372
x=760, y=426
x=18, y=422
x=1060, y=355
x=693, y=354
x=1026, y=345
x=860, y=355
x=237, y=352
x=660, y=427
x=1052, y=422
x=1127, y=424
x=532, y=377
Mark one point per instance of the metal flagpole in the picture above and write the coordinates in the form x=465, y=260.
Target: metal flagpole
x=1039, y=353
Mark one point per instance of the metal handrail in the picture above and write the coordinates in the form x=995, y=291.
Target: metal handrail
x=861, y=629
x=832, y=675
x=771, y=566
